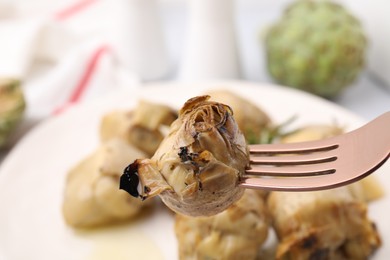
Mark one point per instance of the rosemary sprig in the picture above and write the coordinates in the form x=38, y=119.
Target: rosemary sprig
x=271, y=133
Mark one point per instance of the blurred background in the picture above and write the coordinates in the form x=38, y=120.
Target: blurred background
x=57, y=53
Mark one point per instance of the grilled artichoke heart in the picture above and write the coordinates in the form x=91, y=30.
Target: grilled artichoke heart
x=251, y=119
x=91, y=195
x=140, y=127
x=12, y=106
x=197, y=167
x=236, y=233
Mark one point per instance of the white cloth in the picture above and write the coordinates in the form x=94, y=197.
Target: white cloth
x=18, y=40
x=50, y=92
x=72, y=54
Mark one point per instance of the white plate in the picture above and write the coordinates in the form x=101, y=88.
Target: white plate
x=32, y=177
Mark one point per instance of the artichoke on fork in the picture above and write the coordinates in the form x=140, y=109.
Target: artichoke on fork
x=197, y=167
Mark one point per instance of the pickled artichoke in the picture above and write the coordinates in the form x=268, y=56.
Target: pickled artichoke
x=251, y=120
x=236, y=233
x=140, y=127
x=197, y=167
x=91, y=196
x=12, y=106
x=330, y=224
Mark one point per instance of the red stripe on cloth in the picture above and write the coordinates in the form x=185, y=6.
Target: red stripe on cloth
x=91, y=66
x=73, y=9
x=83, y=83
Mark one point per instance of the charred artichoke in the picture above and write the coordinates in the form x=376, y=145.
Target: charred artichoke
x=197, y=167
x=12, y=106
x=140, y=127
x=91, y=194
x=251, y=120
x=236, y=233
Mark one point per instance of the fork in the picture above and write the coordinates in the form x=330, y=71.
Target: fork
x=322, y=164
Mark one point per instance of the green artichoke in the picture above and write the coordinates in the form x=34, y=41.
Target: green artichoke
x=12, y=106
x=317, y=46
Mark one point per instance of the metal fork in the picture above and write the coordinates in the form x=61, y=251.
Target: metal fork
x=322, y=164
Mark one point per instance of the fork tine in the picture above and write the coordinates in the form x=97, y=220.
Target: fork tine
x=316, y=157
x=321, y=182
x=291, y=171
x=302, y=147
x=323, y=167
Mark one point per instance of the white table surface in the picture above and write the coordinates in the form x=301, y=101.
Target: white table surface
x=366, y=97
